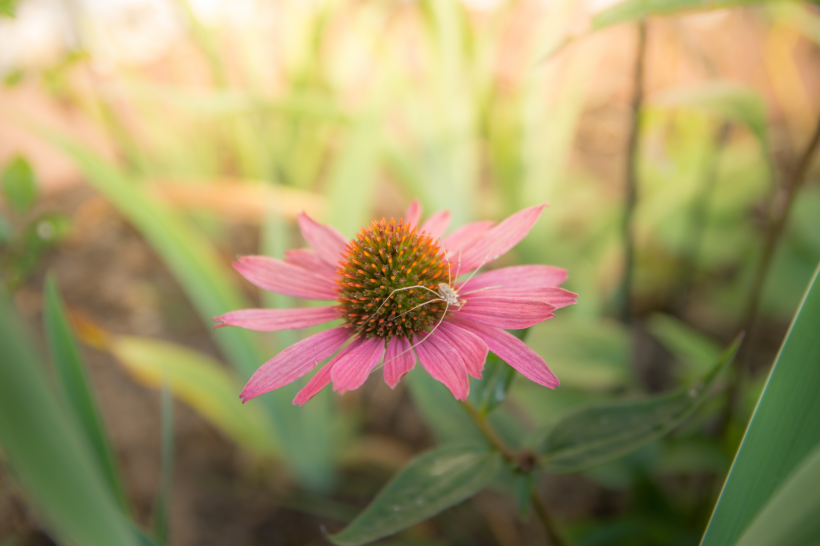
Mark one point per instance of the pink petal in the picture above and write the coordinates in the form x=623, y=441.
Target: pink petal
x=500, y=239
x=514, y=352
x=413, y=213
x=315, y=385
x=473, y=351
x=271, y=320
x=505, y=312
x=461, y=238
x=437, y=224
x=520, y=276
x=294, y=362
x=307, y=259
x=443, y=363
x=325, y=240
x=557, y=297
x=284, y=278
x=321, y=379
x=398, y=360
x=351, y=371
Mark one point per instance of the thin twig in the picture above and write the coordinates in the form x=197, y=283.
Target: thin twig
x=544, y=516
x=776, y=225
x=625, y=292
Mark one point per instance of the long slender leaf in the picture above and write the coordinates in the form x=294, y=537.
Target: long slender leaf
x=785, y=427
x=604, y=432
x=199, y=381
x=428, y=484
x=207, y=282
x=632, y=10
x=44, y=448
x=77, y=392
x=790, y=517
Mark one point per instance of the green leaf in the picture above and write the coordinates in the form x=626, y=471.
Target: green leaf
x=44, y=448
x=208, y=283
x=78, y=395
x=603, y=432
x=523, y=487
x=18, y=184
x=790, y=517
x=633, y=10
x=163, y=502
x=728, y=100
x=199, y=381
x=784, y=429
x=490, y=391
x=430, y=483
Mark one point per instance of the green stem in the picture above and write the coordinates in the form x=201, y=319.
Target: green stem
x=776, y=226
x=544, y=516
x=522, y=461
x=627, y=228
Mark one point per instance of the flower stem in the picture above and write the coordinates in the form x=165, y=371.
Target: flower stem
x=524, y=462
x=489, y=433
x=625, y=292
x=544, y=516
x=776, y=226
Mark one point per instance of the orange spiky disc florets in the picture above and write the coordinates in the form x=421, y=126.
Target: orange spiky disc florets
x=384, y=257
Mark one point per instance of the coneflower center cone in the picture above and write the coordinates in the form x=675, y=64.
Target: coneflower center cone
x=383, y=258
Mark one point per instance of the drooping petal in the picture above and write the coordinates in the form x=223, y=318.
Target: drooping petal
x=325, y=240
x=514, y=352
x=413, y=213
x=444, y=364
x=510, y=313
x=526, y=277
x=294, y=362
x=436, y=225
x=272, y=320
x=351, y=371
x=398, y=360
x=321, y=379
x=500, y=239
x=557, y=297
x=471, y=348
x=284, y=278
x=307, y=259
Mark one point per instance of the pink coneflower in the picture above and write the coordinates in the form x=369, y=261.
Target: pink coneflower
x=396, y=291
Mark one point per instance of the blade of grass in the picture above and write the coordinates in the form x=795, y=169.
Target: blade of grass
x=78, y=395
x=785, y=427
x=46, y=452
x=163, y=502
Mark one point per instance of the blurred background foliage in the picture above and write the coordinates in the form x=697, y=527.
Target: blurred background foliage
x=144, y=143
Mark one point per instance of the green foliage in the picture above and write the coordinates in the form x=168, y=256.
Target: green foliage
x=199, y=381
x=603, y=432
x=18, y=184
x=784, y=429
x=790, y=516
x=49, y=457
x=207, y=282
x=632, y=10
x=430, y=483
x=77, y=393
x=8, y=8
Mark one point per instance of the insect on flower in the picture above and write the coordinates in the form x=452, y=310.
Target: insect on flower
x=398, y=298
